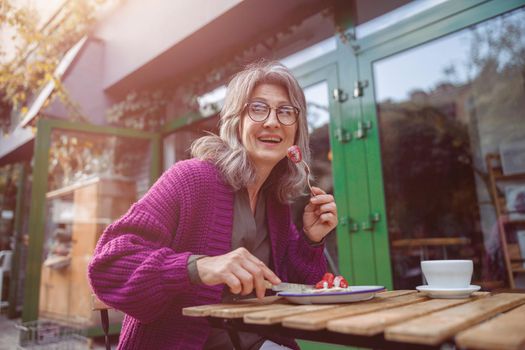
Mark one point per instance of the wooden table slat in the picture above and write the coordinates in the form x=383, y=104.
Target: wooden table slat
x=239, y=312
x=318, y=320
x=505, y=332
x=275, y=316
x=375, y=323
x=441, y=325
x=395, y=293
x=205, y=310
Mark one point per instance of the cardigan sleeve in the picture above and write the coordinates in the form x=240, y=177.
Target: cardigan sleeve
x=134, y=269
x=306, y=262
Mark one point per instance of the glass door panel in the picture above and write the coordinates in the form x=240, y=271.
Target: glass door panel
x=93, y=180
x=85, y=177
x=327, y=160
x=317, y=102
x=443, y=107
x=176, y=145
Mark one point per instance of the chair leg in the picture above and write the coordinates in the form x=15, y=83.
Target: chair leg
x=2, y=303
x=104, y=317
x=234, y=336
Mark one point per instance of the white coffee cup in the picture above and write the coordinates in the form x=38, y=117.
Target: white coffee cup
x=448, y=273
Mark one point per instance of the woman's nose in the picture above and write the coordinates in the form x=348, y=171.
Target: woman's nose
x=272, y=120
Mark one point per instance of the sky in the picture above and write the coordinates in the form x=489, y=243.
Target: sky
x=420, y=67
x=45, y=8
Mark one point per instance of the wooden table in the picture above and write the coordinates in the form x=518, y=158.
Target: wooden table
x=402, y=319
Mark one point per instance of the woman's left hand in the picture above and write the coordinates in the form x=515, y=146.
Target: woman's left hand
x=320, y=215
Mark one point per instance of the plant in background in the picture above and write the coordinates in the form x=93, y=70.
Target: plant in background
x=29, y=59
x=149, y=108
x=144, y=110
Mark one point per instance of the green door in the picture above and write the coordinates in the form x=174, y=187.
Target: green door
x=340, y=166
x=319, y=80
x=442, y=91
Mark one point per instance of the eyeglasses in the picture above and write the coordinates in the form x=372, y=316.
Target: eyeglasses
x=260, y=111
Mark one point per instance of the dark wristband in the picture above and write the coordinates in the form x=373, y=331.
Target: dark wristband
x=193, y=272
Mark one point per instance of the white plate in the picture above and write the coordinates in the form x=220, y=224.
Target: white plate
x=448, y=293
x=354, y=293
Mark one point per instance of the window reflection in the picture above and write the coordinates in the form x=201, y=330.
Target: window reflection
x=177, y=145
x=442, y=108
x=310, y=53
x=76, y=157
x=317, y=99
x=93, y=180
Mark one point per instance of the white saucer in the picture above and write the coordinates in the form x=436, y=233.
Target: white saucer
x=448, y=293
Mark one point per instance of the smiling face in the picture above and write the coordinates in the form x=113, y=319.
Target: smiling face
x=267, y=142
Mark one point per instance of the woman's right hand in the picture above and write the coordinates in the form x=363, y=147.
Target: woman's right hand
x=239, y=269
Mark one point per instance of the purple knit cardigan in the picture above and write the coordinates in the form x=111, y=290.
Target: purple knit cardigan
x=139, y=264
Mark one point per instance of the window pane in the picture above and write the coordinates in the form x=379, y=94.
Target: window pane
x=177, y=144
x=443, y=108
x=93, y=180
x=317, y=101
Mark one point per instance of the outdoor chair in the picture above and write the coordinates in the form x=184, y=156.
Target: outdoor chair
x=99, y=305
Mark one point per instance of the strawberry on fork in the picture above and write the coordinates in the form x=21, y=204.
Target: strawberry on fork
x=295, y=155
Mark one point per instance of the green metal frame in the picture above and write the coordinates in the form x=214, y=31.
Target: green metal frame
x=362, y=259
x=12, y=311
x=38, y=196
x=444, y=19
x=434, y=23
x=185, y=120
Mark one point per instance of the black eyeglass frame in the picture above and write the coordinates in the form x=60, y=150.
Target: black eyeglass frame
x=270, y=108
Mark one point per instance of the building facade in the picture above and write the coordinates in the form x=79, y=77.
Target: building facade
x=415, y=114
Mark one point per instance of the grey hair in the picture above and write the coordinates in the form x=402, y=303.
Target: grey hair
x=227, y=150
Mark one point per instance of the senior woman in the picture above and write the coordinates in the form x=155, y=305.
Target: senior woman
x=218, y=225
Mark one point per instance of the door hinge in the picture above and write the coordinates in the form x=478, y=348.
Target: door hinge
x=362, y=128
x=359, y=87
x=342, y=135
x=349, y=223
x=369, y=225
x=345, y=221
x=339, y=95
x=372, y=220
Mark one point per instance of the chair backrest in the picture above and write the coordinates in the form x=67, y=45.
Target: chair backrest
x=99, y=305
x=5, y=260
